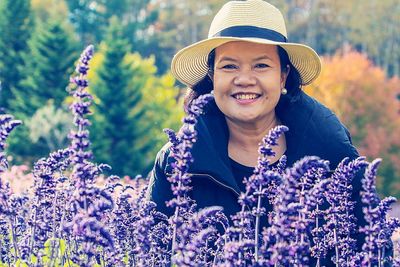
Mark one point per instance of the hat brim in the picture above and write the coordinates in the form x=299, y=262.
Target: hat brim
x=189, y=65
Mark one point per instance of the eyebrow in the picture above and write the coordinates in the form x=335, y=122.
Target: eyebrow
x=262, y=57
x=225, y=58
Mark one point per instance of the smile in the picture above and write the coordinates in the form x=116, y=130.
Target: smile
x=243, y=96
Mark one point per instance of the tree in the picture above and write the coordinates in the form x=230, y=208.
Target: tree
x=48, y=65
x=16, y=24
x=117, y=127
x=366, y=101
x=371, y=27
x=91, y=18
x=51, y=125
x=44, y=10
x=164, y=109
x=181, y=23
x=133, y=105
x=86, y=17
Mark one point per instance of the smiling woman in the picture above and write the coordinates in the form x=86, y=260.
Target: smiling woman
x=247, y=88
x=256, y=76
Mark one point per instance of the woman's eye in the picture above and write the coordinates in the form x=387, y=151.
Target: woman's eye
x=229, y=67
x=261, y=66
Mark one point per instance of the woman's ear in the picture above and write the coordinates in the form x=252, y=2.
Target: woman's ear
x=284, y=75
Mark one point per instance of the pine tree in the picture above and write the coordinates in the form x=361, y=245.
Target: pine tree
x=15, y=27
x=48, y=65
x=117, y=129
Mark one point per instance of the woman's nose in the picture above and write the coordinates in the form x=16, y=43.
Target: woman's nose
x=244, y=78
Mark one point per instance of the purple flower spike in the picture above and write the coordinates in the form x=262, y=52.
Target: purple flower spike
x=80, y=108
x=287, y=240
x=195, y=236
x=172, y=137
x=340, y=219
x=379, y=228
x=180, y=151
x=7, y=124
x=265, y=151
x=261, y=184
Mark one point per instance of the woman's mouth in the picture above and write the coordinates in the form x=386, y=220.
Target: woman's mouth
x=246, y=98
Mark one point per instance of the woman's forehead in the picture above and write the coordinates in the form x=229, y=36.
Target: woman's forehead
x=246, y=50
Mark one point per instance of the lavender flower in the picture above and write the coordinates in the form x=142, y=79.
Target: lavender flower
x=80, y=108
x=313, y=203
x=180, y=179
x=43, y=220
x=146, y=215
x=340, y=219
x=88, y=203
x=265, y=182
x=122, y=222
x=378, y=230
x=194, y=237
x=281, y=166
x=8, y=219
x=290, y=224
x=7, y=124
x=258, y=186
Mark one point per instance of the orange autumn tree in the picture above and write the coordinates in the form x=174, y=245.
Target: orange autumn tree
x=367, y=102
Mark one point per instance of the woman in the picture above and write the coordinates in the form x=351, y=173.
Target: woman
x=256, y=76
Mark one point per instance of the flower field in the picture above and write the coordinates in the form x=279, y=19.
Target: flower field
x=73, y=215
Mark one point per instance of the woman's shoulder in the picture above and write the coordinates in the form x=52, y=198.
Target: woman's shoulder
x=324, y=121
x=326, y=127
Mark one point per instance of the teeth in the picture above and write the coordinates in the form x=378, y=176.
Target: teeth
x=246, y=96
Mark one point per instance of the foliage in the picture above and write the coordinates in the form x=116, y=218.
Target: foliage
x=46, y=69
x=70, y=220
x=161, y=99
x=44, y=10
x=181, y=23
x=365, y=100
x=371, y=27
x=44, y=77
x=85, y=16
x=50, y=124
x=91, y=19
x=118, y=111
x=15, y=26
x=145, y=118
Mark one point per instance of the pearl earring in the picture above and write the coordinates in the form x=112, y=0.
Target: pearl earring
x=283, y=91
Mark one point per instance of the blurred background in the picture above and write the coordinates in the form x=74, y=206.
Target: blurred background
x=136, y=96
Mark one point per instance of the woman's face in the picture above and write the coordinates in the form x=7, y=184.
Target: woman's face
x=247, y=81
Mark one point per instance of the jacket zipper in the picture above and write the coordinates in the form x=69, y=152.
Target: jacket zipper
x=220, y=183
x=215, y=180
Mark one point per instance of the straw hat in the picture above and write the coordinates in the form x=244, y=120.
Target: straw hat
x=253, y=21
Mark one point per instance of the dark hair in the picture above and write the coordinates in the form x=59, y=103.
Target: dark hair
x=205, y=86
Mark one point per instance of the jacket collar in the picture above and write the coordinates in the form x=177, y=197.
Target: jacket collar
x=210, y=152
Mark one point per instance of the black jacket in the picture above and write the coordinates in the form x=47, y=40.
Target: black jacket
x=314, y=130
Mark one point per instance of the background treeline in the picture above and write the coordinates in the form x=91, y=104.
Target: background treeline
x=135, y=95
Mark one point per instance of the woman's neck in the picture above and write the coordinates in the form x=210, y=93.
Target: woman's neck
x=244, y=140
x=247, y=135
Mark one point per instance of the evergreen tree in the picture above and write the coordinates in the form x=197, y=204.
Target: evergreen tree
x=87, y=18
x=48, y=65
x=117, y=129
x=15, y=27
